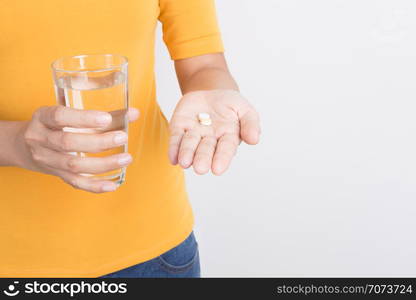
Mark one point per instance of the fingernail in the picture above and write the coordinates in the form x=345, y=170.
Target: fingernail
x=120, y=138
x=109, y=187
x=134, y=112
x=103, y=119
x=124, y=160
x=185, y=162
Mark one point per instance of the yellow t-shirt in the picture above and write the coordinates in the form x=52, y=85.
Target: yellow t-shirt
x=48, y=228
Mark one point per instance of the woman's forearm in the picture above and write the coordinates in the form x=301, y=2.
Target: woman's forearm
x=206, y=72
x=9, y=150
x=209, y=79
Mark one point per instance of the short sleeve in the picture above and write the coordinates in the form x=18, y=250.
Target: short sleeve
x=190, y=27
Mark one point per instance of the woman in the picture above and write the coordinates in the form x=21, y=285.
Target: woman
x=79, y=227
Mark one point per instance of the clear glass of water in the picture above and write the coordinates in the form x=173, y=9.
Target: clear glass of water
x=95, y=82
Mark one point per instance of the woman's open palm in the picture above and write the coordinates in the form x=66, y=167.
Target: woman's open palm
x=213, y=146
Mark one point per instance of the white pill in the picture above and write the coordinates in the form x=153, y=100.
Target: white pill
x=205, y=122
x=204, y=116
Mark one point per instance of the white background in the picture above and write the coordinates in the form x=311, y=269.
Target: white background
x=330, y=191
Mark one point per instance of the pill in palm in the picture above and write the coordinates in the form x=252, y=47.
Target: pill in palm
x=204, y=119
x=206, y=122
x=203, y=116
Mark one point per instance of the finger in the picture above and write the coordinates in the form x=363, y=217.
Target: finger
x=204, y=154
x=59, y=116
x=88, y=184
x=77, y=164
x=250, y=127
x=118, y=120
x=97, y=165
x=224, y=153
x=187, y=148
x=83, y=142
x=174, y=143
x=133, y=114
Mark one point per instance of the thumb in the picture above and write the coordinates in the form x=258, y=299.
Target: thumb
x=250, y=127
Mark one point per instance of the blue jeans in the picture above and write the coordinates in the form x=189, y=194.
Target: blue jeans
x=181, y=261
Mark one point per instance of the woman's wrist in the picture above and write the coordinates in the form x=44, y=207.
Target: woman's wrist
x=21, y=149
x=11, y=139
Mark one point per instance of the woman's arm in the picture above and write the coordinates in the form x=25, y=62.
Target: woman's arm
x=205, y=72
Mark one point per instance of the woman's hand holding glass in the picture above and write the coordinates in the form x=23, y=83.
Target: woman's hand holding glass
x=45, y=147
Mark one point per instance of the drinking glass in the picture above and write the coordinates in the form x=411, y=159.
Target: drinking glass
x=95, y=82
